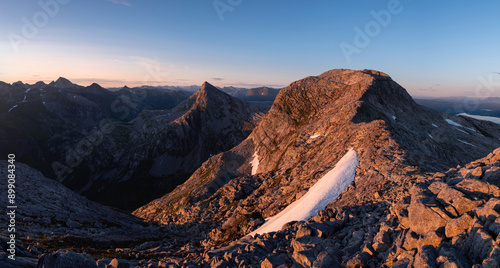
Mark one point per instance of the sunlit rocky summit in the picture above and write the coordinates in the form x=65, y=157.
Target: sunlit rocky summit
x=368, y=178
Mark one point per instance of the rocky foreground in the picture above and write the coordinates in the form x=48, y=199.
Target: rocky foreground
x=449, y=219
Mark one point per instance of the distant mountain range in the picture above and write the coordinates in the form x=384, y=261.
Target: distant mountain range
x=457, y=105
x=345, y=169
x=47, y=125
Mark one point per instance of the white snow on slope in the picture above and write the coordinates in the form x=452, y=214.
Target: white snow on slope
x=467, y=143
x=314, y=136
x=485, y=118
x=28, y=90
x=458, y=125
x=453, y=123
x=325, y=191
x=430, y=136
x=12, y=108
x=24, y=100
x=255, y=163
x=434, y=125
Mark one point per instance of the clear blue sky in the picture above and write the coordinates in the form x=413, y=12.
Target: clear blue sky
x=430, y=47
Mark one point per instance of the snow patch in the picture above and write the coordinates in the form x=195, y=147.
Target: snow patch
x=394, y=117
x=493, y=119
x=453, y=123
x=430, y=136
x=467, y=143
x=434, y=125
x=255, y=163
x=314, y=136
x=24, y=100
x=458, y=125
x=28, y=90
x=12, y=108
x=325, y=191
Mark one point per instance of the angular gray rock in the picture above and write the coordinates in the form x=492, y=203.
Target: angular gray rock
x=64, y=259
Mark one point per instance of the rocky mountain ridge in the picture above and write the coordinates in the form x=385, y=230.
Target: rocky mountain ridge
x=172, y=145
x=102, y=143
x=320, y=118
x=419, y=197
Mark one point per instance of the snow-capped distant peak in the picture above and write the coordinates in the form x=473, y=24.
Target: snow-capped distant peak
x=325, y=191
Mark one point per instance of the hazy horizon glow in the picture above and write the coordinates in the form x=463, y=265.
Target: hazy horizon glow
x=440, y=48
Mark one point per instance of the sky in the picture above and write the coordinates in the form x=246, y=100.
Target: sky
x=432, y=48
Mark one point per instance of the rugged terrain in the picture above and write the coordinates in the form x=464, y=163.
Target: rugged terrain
x=311, y=125
x=113, y=147
x=143, y=159
x=425, y=193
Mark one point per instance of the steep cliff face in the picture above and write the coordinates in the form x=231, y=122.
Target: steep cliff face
x=311, y=125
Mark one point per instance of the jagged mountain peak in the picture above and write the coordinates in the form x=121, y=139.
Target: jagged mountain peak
x=210, y=96
x=207, y=87
x=18, y=83
x=39, y=84
x=95, y=86
x=62, y=82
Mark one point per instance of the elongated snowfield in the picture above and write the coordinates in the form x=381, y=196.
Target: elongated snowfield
x=325, y=191
x=255, y=163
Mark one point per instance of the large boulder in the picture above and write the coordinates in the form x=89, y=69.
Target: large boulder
x=65, y=259
x=425, y=214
